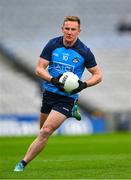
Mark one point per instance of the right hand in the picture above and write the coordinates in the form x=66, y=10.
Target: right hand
x=59, y=85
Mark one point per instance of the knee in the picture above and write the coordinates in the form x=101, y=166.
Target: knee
x=45, y=132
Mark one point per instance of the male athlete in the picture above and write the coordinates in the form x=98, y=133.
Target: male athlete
x=61, y=54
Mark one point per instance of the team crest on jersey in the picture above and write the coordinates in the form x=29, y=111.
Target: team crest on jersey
x=75, y=60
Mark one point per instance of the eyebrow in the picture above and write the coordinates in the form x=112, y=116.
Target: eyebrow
x=67, y=28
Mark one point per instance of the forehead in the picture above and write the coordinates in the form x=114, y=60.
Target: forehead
x=71, y=24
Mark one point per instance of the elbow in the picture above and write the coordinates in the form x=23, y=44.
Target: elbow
x=100, y=78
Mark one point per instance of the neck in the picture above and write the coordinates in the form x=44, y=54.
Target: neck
x=69, y=44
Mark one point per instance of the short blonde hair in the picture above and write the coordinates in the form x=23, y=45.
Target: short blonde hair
x=72, y=18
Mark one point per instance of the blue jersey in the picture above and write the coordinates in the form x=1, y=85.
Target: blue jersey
x=63, y=59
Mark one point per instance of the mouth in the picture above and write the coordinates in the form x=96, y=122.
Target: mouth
x=69, y=37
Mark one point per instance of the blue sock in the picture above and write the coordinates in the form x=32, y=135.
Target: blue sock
x=23, y=162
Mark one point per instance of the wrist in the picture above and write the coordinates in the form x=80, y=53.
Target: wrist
x=52, y=80
x=85, y=85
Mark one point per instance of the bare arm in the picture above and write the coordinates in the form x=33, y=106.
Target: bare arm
x=41, y=69
x=96, y=76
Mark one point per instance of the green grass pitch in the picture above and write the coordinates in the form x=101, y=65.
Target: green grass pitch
x=97, y=156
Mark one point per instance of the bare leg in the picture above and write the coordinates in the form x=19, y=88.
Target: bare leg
x=54, y=120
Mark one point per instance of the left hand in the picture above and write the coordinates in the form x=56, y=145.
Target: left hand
x=82, y=85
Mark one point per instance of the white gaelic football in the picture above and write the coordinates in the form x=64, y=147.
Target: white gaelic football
x=70, y=81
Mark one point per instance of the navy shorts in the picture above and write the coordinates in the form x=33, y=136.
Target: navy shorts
x=62, y=104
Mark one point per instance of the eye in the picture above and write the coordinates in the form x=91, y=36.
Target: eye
x=66, y=28
x=73, y=29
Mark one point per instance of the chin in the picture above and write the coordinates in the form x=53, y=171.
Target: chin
x=69, y=40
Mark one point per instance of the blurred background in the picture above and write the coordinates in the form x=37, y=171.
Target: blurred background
x=27, y=25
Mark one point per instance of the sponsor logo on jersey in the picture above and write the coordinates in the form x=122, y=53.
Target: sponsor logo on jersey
x=62, y=67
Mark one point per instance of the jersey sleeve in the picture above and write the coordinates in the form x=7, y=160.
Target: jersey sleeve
x=46, y=52
x=90, y=60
